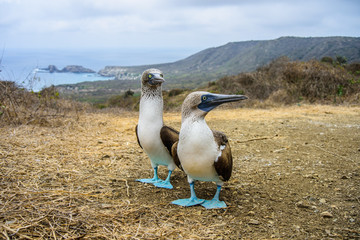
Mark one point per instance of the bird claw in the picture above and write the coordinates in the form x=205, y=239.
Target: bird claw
x=163, y=184
x=187, y=202
x=214, y=203
x=149, y=180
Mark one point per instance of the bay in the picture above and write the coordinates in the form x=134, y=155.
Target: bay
x=40, y=80
x=19, y=65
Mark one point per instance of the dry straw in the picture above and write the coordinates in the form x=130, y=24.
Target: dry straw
x=76, y=180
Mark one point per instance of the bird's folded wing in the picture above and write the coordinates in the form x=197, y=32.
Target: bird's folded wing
x=170, y=138
x=223, y=165
x=137, y=136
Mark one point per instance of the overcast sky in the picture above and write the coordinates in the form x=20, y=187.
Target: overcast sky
x=174, y=24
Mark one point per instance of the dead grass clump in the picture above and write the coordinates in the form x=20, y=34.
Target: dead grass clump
x=279, y=97
x=175, y=92
x=46, y=108
x=126, y=101
x=316, y=81
x=287, y=82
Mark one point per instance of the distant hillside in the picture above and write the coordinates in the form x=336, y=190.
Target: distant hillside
x=281, y=82
x=230, y=59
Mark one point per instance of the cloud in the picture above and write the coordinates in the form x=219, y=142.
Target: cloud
x=162, y=23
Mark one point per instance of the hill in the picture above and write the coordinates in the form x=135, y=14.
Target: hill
x=230, y=59
x=236, y=57
x=281, y=82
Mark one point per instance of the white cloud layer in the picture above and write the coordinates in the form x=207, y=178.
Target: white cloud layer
x=170, y=24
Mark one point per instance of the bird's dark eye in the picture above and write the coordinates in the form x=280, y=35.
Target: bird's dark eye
x=150, y=76
x=161, y=75
x=204, y=98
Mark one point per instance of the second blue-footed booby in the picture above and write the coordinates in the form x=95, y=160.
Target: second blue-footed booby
x=150, y=124
x=204, y=154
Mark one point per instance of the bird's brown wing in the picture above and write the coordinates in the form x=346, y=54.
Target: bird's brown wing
x=223, y=165
x=175, y=156
x=137, y=136
x=170, y=138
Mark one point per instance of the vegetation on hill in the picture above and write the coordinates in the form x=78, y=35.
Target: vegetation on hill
x=287, y=82
x=281, y=82
x=213, y=63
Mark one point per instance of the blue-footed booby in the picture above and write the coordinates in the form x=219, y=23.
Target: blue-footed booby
x=150, y=124
x=204, y=154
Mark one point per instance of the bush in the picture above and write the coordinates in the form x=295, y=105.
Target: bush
x=175, y=92
x=327, y=59
x=19, y=106
x=126, y=101
x=128, y=93
x=341, y=60
x=353, y=68
x=289, y=82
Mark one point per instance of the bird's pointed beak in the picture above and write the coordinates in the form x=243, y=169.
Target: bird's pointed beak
x=156, y=79
x=210, y=101
x=222, y=98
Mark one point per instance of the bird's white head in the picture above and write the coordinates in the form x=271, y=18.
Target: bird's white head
x=151, y=81
x=198, y=104
x=152, y=78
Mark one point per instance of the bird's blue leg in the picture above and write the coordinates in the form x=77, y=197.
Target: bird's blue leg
x=153, y=180
x=215, y=202
x=187, y=202
x=166, y=183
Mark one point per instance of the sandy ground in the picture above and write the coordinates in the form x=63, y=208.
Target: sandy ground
x=296, y=175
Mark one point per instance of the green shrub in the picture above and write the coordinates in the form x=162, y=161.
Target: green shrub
x=327, y=59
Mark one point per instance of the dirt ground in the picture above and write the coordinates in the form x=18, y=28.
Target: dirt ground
x=296, y=175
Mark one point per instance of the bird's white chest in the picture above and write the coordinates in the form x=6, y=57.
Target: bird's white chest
x=150, y=124
x=197, y=150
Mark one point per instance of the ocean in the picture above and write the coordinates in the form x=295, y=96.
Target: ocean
x=21, y=65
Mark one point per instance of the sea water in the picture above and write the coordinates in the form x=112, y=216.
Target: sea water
x=41, y=79
x=23, y=66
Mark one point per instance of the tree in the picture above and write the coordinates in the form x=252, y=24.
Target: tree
x=341, y=60
x=128, y=93
x=327, y=59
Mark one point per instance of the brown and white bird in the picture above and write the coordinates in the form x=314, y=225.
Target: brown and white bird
x=149, y=126
x=203, y=154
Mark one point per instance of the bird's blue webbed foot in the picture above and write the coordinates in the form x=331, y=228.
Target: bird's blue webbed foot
x=153, y=180
x=187, y=202
x=192, y=201
x=163, y=184
x=214, y=203
x=166, y=183
x=149, y=180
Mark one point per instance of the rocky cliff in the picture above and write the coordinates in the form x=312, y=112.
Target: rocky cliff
x=69, y=69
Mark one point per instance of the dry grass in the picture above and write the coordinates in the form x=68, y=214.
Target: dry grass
x=77, y=180
x=19, y=106
x=287, y=82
